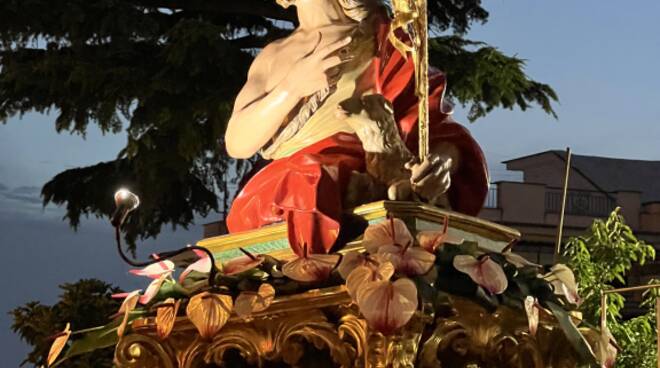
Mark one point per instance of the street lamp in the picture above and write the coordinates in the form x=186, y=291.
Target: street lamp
x=125, y=203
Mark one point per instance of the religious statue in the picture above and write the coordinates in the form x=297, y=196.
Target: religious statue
x=334, y=107
x=348, y=111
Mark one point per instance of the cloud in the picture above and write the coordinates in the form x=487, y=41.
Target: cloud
x=29, y=195
x=26, y=190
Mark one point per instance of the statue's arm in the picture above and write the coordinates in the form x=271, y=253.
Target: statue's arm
x=258, y=112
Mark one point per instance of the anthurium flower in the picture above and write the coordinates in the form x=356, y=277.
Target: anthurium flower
x=390, y=232
x=386, y=305
x=209, y=312
x=127, y=306
x=431, y=240
x=518, y=260
x=156, y=270
x=352, y=260
x=311, y=268
x=611, y=350
x=484, y=272
x=242, y=264
x=249, y=302
x=363, y=275
x=532, y=311
x=152, y=290
x=58, y=344
x=563, y=282
x=409, y=260
x=166, y=316
x=203, y=265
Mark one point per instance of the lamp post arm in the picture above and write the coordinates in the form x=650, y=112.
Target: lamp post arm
x=167, y=255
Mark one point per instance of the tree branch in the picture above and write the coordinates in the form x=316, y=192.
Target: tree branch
x=262, y=8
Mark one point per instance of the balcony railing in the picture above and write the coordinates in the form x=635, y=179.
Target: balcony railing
x=580, y=203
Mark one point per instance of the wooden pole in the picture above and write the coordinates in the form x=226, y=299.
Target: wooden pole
x=657, y=326
x=631, y=288
x=560, y=229
x=603, y=308
x=603, y=311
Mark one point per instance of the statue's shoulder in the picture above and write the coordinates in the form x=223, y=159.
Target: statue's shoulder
x=268, y=54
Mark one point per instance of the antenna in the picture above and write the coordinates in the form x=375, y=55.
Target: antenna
x=560, y=229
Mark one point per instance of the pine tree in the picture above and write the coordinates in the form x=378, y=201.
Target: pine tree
x=167, y=71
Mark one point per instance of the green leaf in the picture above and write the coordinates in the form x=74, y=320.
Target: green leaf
x=573, y=335
x=98, y=339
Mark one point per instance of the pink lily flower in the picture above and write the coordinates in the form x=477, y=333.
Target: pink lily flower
x=311, y=268
x=129, y=304
x=149, y=294
x=563, y=282
x=242, y=263
x=612, y=349
x=353, y=260
x=484, y=272
x=152, y=290
x=410, y=261
x=391, y=242
x=156, y=270
x=386, y=305
x=532, y=311
x=363, y=275
x=431, y=240
x=58, y=345
x=518, y=260
x=249, y=302
x=392, y=232
x=202, y=265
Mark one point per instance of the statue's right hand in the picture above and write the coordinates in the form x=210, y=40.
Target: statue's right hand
x=310, y=74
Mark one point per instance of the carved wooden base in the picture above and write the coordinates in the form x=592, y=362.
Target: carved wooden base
x=322, y=329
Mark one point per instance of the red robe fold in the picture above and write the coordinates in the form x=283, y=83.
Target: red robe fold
x=306, y=188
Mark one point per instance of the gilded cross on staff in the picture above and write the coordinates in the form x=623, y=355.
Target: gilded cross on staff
x=411, y=17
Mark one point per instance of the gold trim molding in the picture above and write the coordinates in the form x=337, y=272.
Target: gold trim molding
x=321, y=328
x=408, y=211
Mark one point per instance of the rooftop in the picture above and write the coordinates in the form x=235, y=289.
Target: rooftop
x=614, y=174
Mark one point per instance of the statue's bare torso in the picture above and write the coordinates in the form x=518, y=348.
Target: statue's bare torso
x=284, y=73
x=291, y=69
x=274, y=63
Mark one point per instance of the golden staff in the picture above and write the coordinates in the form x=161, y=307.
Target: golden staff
x=411, y=17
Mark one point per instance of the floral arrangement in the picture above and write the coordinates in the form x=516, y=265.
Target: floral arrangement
x=395, y=275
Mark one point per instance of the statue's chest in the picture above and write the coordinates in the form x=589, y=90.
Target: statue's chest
x=297, y=47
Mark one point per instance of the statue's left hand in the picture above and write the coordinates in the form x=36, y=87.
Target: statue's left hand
x=431, y=178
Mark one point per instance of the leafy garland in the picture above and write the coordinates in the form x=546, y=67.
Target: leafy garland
x=395, y=275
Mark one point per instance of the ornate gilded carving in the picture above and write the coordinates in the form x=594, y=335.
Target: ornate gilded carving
x=474, y=336
x=138, y=351
x=467, y=336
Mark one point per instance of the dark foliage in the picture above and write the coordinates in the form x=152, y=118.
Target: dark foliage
x=84, y=304
x=167, y=71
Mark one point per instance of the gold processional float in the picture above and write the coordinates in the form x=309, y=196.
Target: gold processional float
x=447, y=291
x=256, y=316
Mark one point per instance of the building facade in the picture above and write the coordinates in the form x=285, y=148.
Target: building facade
x=596, y=186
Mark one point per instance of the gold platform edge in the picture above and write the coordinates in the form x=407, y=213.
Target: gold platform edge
x=369, y=212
